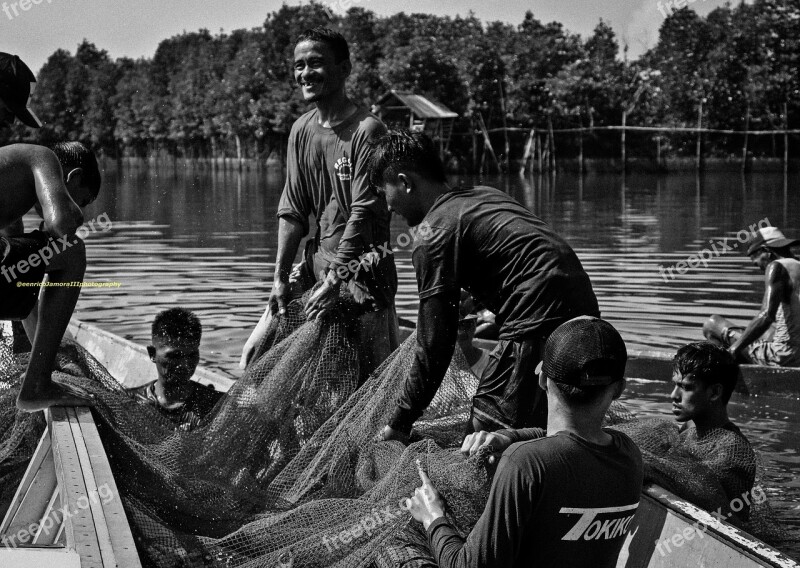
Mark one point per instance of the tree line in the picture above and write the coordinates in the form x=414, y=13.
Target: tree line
x=232, y=94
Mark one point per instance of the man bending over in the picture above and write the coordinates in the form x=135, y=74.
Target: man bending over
x=31, y=176
x=773, y=337
x=482, y=240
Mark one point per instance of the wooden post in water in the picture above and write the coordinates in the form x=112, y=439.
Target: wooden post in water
x=552, y=145
x=785, y=139
x=580, y=150
x=700, y=136
x=624, y=154
x=528, y=151
x=746, y=132
x=538, y=145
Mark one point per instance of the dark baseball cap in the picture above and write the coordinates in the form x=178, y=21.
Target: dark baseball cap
x=16, y=85
x=585, y=351
x=770, y=237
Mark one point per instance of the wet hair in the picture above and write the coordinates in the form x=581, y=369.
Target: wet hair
x=73, y=155
x=399, y=150
x=333, y=39
x=177, y=324
x=708, y=364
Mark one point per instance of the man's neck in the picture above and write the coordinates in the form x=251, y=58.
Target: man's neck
x=335, y=109
x=171, y=395
x=584, y=422
x=712, y=420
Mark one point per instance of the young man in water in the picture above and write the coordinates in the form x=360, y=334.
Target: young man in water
x=327, y=177
x=175, y=350
x=34, y=176
x=771, y=252
x=16, y=86
x=482, y=240
x=704, y=376
x=564, y=499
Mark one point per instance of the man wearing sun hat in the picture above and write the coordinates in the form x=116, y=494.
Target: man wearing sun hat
x=17, y=82
x=566, y=498
x=773, y=336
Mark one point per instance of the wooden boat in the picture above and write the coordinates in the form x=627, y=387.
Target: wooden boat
x=687, y=535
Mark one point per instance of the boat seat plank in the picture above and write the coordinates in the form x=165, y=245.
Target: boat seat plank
x=118, y=529
x=79, y=523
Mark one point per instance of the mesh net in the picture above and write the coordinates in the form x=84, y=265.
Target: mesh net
x=287, y=461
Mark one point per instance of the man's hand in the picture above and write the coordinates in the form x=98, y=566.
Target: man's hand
x=389, y=433
x=426, y=504
x=279, y=297
x=61, y=216
x=477, y=440
x=323, y=300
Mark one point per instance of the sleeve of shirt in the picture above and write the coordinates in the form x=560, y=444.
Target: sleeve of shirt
x=368, y=209
x=496, y=538
x=437, y=331
x=295, y=200
x=435, y=260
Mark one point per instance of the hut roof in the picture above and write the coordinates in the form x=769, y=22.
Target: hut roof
x=421, y=106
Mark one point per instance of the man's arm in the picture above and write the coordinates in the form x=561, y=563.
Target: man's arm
x=496, y=538
x=61, y=215
x=437, y=330
x=776, y=280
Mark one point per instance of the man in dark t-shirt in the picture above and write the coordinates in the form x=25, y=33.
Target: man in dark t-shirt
x=564, y=499
x=326, y=176
x=482, y=240
x=175, y=350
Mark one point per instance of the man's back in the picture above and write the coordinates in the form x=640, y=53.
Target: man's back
x=787, y=321
x=488, y=243
x=557, y=501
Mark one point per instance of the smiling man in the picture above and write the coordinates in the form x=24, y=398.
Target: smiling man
x=482, y=240
x=327, y=177
x=773, y=336
x=704, y=376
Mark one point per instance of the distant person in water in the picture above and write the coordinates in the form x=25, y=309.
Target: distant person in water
x=704, y=376
x=175, y=350
x=482, y=240
x=17, y=82
x=57, y=183
x=773, y=336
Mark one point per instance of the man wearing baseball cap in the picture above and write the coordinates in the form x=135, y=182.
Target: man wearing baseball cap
x=566, y=498
x=773, y=336
x=17, y=82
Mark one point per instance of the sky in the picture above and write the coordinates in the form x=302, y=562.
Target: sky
x=34, y=29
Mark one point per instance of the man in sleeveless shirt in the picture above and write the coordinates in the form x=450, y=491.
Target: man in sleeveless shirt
x=773, y=336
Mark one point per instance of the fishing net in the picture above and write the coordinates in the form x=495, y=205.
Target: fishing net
x=286, y=470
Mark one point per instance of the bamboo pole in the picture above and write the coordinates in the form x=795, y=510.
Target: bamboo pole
x=699, y=135
x=785, y=139
x=624, y=130
x=551, y=144
x=744, y=145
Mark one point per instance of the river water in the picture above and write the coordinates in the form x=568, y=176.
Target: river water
x=184, y=236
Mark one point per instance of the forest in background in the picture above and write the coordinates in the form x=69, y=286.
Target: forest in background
x=232, y=94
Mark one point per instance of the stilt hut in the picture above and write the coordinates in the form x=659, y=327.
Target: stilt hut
x=404, y=109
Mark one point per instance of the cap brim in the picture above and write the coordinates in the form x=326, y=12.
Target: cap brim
x=27, y=117
x=778, y=243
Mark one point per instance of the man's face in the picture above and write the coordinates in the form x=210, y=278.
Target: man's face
x=176, y=360
x=690, y=398
x=317, y=72
x=401, y=201
x=761, y=258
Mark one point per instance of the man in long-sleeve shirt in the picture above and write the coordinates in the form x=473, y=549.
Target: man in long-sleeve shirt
x=327, y=177
x=567, y=499
x=482, y=240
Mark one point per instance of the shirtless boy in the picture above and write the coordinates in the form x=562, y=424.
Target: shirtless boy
x=31, y=176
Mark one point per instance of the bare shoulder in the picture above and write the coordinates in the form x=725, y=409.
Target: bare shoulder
x=776, y=273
